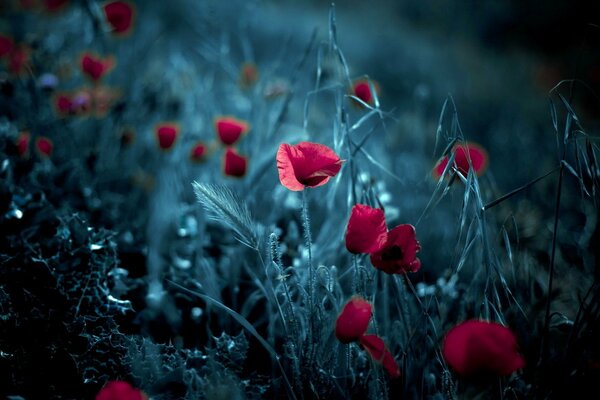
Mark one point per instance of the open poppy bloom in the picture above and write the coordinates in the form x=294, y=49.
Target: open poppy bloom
x=353, y=321
x=376, y=348
x=166, y=135
x=362, y=90
x=198, y=152
x=463, y=153
x=44, y=146
x=95, y=67
x=393, y=252
x=6, y=45
x=119, y=390
x=229, y=129
x=234, y=164
x=248, y=74
x=474, y=347
x=119, y=15
x=23, y=144
x=306, y=164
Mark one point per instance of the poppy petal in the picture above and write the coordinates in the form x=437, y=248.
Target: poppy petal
x=94, y=67
x=235, y=164
x=197, y=152
x=44, y=146
x=462, y=154
x=6, y=45
x=119, y=15
x=353, y=321
x=119, y=390
x=306, y=164
x=366, y=231
x=362, y=90
x=376, y=348
x=23, y=143
x=474, y=347
x=398, y=255
x=166, y=135
x=230, y=129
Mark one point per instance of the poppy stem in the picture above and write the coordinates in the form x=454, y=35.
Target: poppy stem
x=311, y=273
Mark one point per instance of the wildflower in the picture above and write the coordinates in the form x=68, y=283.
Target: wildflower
x=393, y=252
x=474, y=347
x=6, y=45
x=378, y=351
x=465, y=155
x=95, y=67
x=23, y=144
x=166, y=134
x=248, y=74
x=362, y=90
x=18, y=59
x=353, y=321
x=44, y=146
x=119, y=390
x=229, y=129
x=63, y=104
x=197, y=152
x=306, y=165
x=119, y=15
x=234, y=164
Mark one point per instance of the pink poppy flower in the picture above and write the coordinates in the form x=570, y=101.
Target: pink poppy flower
x=376, y=348
x=234, y=164
x=166, y=135
x=399, y=253
x=353, y=321
x=119, y=390
x=362, y=90
x=366, y=230
x=474, y=347
x=198, y=152
x=119, y=15
x=306, y=165
x=229, y=129
x=463, y=152
x=95, y=67
x=23, y=144
x=6, y=45
x=44, y=147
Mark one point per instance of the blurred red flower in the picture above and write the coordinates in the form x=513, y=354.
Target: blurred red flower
x=361, y=89
x=44, y=146
x=463, y=153
x=119, y=390
x=166, y=135
x=376, y=348
x=54, y=5
x=119, y=15
x=198, y=152
x=6, y=45
x=474, y=347
x=229, y=129
x=235, y=164
x=94, y=66
x=353, y=321
x=23, y=143
x=306, y=165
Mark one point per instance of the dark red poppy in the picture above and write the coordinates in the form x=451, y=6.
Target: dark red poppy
x=63, y=104
x=366, y=230
x=376, y=348
x=463, y=152
x=44, y=146
x=95, y=67
x=198, y=152
x=119, y=15
x=399, y=253
x=119, y=390
x=306, y=165
x=235, y=164
x=18, y=59
x=474, y=347
x=6, y=45
x=248, y=74
x=353, y=321
x=229, y=129
x=54, y=5
x=362, y=90
x=166, y=135
x=23, y=144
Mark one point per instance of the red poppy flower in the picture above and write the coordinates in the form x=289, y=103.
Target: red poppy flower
x=362, y=90
x=23, y=143
x=482, y=347
x=54, y=5
x=248, y=74
x=119, y=15
x=6, y=45
x=18, y=59
x=463, y=152
x=366, y=230
x=306, y=164
x=235, y=164
x=353, y=321
x=229, y=129
x=399, y=253
x=119, y=390
x=44, y=146
x=166, y=134
x=197, y=152
x=95, y=67
x=63, y=104
x=376, y=348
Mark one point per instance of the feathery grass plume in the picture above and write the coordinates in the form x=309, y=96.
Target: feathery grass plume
x=225, y=206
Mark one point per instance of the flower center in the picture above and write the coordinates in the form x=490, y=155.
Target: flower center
x=392, y=253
